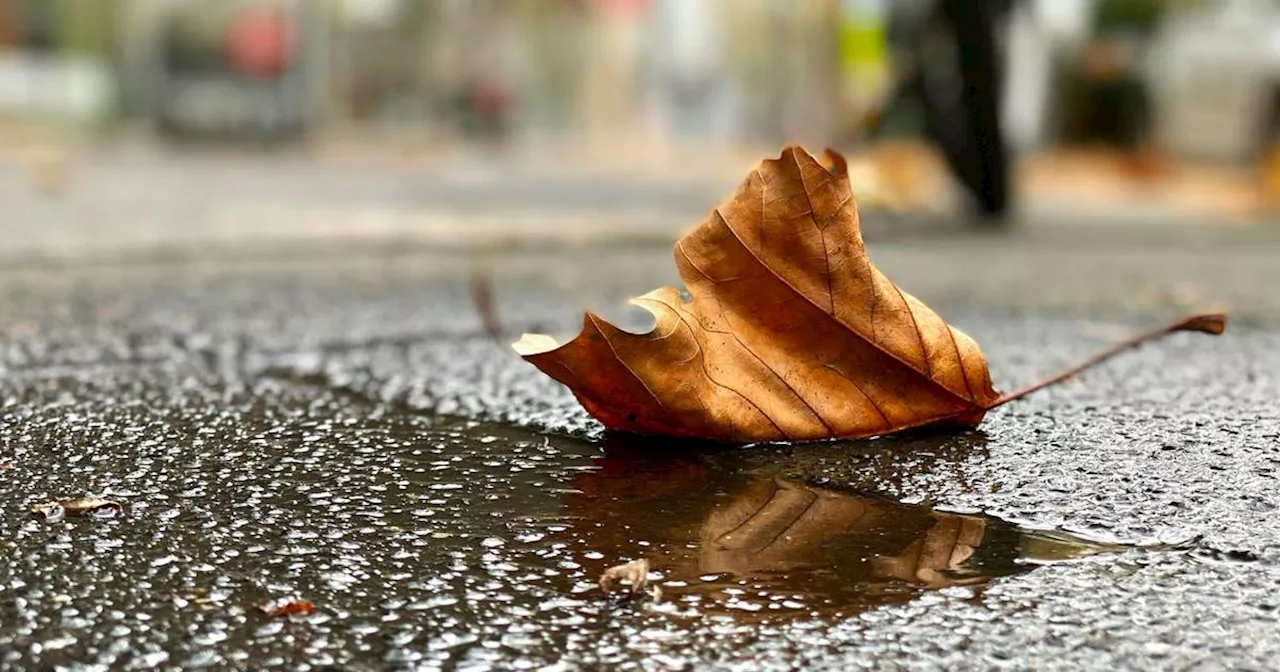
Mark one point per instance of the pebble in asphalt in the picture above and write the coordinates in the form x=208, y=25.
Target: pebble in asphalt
x=346, y=435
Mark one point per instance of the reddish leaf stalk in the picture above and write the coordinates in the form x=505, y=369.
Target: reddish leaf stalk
x=482, y=296
x=1209, y=323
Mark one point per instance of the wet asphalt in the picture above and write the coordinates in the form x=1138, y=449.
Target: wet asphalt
x=342, y=431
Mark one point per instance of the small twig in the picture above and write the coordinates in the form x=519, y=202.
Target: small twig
x=1209, y=323
x=482, y=295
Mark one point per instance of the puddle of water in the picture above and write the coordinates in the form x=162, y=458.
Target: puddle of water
x=433, y=540
x=753, y=540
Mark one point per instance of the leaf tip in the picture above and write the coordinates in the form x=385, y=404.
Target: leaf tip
x=1208, y=323
x=794, y=153
x=534, y=344
x=791, y=149
x=834, y=162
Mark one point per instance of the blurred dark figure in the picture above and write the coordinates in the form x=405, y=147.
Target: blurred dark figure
x=1106, y=95
x=486, y=109
x=948, y=53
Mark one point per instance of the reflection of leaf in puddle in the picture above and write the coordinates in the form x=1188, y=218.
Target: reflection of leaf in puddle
x=724, y=534
x=774, y=526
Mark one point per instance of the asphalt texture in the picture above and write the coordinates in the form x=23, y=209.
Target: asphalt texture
x=342, y=431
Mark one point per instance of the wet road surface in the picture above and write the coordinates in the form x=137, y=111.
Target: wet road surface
x=344, y=433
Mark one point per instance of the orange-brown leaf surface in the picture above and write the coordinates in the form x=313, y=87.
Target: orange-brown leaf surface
x=287, y=607
x=790, y=333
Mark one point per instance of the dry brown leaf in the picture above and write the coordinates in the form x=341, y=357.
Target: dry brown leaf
x=94, y=507
x=791, y=334
x=287, y=608
x=634, y=576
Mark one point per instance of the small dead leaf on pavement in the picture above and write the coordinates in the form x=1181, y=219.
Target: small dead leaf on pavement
x=6, y=465
x=790, y=332
x=631, y=577
x=91, y=507
x=287, y=607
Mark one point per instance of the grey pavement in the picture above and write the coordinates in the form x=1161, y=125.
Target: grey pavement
x=145, y=200
x=148, y=206
x=333, y=424
x=149, y=202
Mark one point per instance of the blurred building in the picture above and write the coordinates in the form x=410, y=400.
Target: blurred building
x=1126, y=72
x=56, y=59
x=688, y=68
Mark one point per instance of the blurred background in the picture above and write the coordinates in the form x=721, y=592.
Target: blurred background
x=154, y=124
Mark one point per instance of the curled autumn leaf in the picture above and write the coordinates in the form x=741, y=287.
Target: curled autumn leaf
x=790, y=333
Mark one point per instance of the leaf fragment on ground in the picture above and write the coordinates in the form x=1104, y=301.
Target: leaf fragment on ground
x=631, y=578
x=92, y=507
x=286, y=607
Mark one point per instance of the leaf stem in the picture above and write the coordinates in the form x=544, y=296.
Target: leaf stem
x=481, y=286
x=1209, y=323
